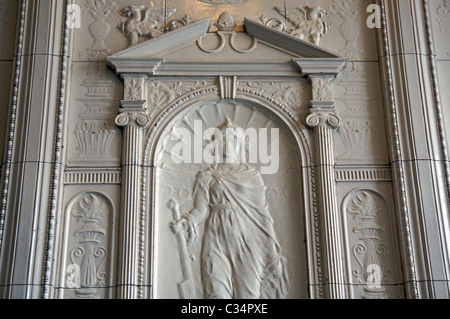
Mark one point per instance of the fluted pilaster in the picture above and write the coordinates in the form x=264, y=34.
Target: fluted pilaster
x=324, y=120
x=134, y=119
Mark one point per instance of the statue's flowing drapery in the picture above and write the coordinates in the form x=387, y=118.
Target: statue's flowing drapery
x=241, y=257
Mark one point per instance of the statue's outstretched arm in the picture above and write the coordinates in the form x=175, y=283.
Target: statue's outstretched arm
x=200, y=211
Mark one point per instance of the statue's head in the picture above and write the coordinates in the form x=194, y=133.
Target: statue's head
x=233, y=142
x=131, y=11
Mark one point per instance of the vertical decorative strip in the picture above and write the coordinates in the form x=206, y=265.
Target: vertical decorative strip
x=12, y=121
x=396, y=157
x=437, y=98
x=56, y=170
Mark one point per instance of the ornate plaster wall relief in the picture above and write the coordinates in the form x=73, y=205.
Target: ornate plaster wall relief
x=161, y=94
x=358, y=137
x=440, y=11
x=8, y=16
x=87, y=267
x=344, y=15
x=138, y=22
x=443, y=10
x=5, y=13
x=99, y=29
x=371, y=245
x=92, y=177
x=228, y=211
x=370, y=252
x=96, y=132
x=308, y=22
x=360, y=133
x=226, y=27
x=366, y=174
x=295, y=95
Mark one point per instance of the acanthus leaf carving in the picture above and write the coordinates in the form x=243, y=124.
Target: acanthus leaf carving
x=161, y=94
x=322, y=89
x=134, y=90
x=294, y=96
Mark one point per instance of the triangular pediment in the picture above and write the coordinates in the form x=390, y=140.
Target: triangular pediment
x=258, y=50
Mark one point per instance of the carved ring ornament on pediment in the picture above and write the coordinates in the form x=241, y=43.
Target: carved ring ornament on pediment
x=226, y=26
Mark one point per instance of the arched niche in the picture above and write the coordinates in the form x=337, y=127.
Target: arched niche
x=174, y=181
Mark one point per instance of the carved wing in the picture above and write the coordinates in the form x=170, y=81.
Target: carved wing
x=297, y=17
x=154, y=16
x=308, y=12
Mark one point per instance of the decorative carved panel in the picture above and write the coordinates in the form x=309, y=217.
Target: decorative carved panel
x=87, y=265
x=372, y=248
x=224, y=231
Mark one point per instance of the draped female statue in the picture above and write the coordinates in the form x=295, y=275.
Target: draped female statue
x=240, y=255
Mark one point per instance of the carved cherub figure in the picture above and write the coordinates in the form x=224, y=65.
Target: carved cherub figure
x=137, y=26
